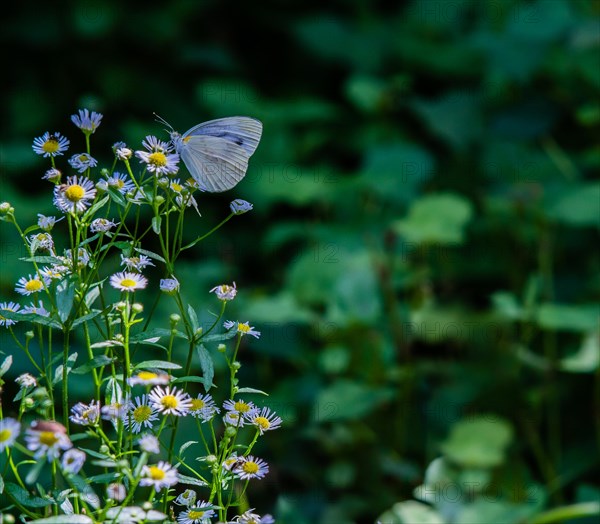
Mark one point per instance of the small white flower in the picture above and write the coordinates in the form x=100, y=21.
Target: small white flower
x=204, y=407
x=72, y=460
x=241, y=407
x=243, y=328
x=141, y=414
x=137, y=263
x=42, y=241
x=231, y=462
x=161, y=475
x=149, y=378
x=37, y=309
x=9, y=431
x=170, y=401
x=201, y=513
x=149, y=444
x=251, y=468
x=252, y=518
x=50, y=144
x=87, y=122
x=116, y=410
x=101, y=225
x=8, y=306
x=116, y=491
x=127, y=281
x=47, y=439
x=120, y=182
x=265, y=420
x=26, y=380
x=169, y=285
x=153, y=145
x=47, y=223
x=122, y=152
x=225, y=292
x=85, y=414
x=52, y=175
x=75, y=195
x=158, y=159
x=82, y=162
x=30, y=285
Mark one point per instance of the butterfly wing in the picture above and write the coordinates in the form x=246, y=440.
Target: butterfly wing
x=215, y=163
x=240, y=130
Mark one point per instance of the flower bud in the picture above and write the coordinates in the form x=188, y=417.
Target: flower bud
x=239, y=206
x=5, y=208
x=222, y=348
x=137, y=308
x=231, y=432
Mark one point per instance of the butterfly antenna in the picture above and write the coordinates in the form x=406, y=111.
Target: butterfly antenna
x=163, y=121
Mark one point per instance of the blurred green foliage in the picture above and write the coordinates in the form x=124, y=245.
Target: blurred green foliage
x=424, y=245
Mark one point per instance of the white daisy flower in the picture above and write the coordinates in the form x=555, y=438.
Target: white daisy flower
x=159, y=476
x=47, y=439
x=72, y=460
x=37, y=309
x=82, y=162
x=87, y=122
x=47, y=223
x=50, y=144
x=169, y=285
x=83, y=257
x=115, y=411
x=187, y=498
x=54, y=272
x=242, y=328
x=241, y=407
x=127, y=281
x=30, y=285
x=170, y=401
x=120, y=182
x=153, y=144
x=116, y=491
x=149, y=444
x=252, y=518
x=8, y=306
x=225, y=292
x=85, y=414
x=204, y=407
x=141, y=414
x=158, y=158
x=232, y=418
x=26, y=380
x=251, y=468
x=239, y=206
x=149, y=378
x=75, y=195
x=138, y=263
x=9, y=431
x=42, y=241
x=231, y=462
x=265, y=420
x=201, y=513
x=101, y=225
x=52, y=175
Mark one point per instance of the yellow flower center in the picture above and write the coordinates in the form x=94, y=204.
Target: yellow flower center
x=128, y=282
x=142, y=413
x=51, y=145
x=263, y=422
x=244, y=328
x=34, y=285
x=75, y=193
x=48, y=438
x=169, y=401
x=147, y=375
x=250, y=467
x=194, y=514
x=156, y=473
x=5, y=435
x=176, y=187
x=197, y=404
x=158, y=159
x=241, y=407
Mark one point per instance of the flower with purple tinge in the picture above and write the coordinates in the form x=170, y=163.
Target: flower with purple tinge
x=153, y=144
x=138, y=263
x=232, y=418
x=251, y=468
x=149, y=378
x=240, y=406
x=200, y=513
x=127, y=281
x=116, y=491
x=239, y=206
x=225, y=292
x=265, y=420
x=37, y=309
x=53, y=175
x=141, y=414
x=8, y=306
x=161, y=475
x=121, y=182
x=149, y=444
x=101, y=225
x=169, y=285
x=47, y=223
x=47, y=439
x=83, y=257
x=57, y=271
x=253, y=518
x=231, y=461
x=9, y=431
x=158, y=159
x=204, y=407
x=82, y=162
x=75, y=195
x=116, y=410
x=42, y=241
x=50, y=144
x=85, y=414
x=26, y=380
x=243, y=328
x=31, y=284
x=87, y=122
x=72, y=460
x=170, y=401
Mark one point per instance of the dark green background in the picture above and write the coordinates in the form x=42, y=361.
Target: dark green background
x=382, y=327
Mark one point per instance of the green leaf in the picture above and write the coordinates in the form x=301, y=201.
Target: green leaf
x=478, y=442
x=159, y=364
x=251, y=390
x=32, y=317
x=156, y=221
x=586, y=359
x=59, y=369
x=579, y=206
x=66, y=519
x=116, y=196
x=151, y=254
x=24, y=498
x=411, y=512
x=92, y=294
x=156, y=333
x=65, y=294
x=34, y=472
x=439, y=218
x=96, y=362
x=92, y=210
x=42, y=260
x=219, y=337
x=6, y=363
x=206, y=363
x=187, y=445
x=191, y=480
x=568, y=318
x=189, y=378
x=89, y=316
x=193, y=318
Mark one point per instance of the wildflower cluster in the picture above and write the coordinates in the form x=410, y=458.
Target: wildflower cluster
x=117, y=453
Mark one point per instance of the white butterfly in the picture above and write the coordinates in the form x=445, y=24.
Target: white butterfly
x=216, y=152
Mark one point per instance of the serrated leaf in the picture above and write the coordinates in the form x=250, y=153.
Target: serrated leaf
x=159, y=364
x=96, y=362
x=206, y=363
